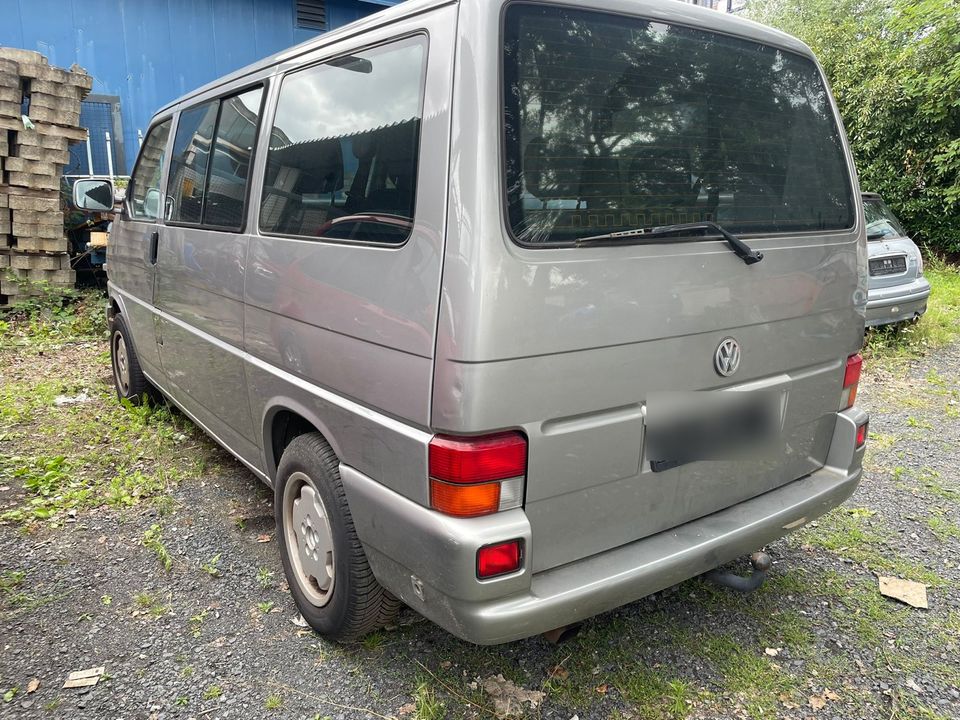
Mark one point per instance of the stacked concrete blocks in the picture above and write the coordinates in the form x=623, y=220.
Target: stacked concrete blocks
x=39, y=117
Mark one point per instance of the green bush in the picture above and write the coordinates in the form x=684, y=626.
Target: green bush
x=894, y=68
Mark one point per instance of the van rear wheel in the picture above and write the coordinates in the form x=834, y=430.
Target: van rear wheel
x=128, y=378
x=323, y=560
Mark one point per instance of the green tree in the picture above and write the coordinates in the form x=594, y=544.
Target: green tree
x=894, y=66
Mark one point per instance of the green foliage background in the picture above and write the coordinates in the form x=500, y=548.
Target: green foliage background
x=894, y=67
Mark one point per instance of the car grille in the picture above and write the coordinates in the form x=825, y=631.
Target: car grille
x=888, y=265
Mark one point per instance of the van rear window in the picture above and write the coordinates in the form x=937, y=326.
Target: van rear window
x=615, y=123
x=342, y=163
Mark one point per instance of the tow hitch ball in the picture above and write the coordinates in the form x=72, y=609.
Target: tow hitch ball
x=761, y=564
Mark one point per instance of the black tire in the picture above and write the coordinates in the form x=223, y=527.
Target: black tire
x=128, y=378
x=355, y=603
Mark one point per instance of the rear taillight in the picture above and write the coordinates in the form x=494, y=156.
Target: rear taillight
x=851, y=379
x=861, y=435
x=499, y=559
x=472, y=476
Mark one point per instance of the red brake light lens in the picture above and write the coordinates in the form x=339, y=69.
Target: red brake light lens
x=499, y=559
x=861, y=434
x=474, y=460
x=851, y=381
x=851, y=375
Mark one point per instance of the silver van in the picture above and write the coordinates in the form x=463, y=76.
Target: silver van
x=469, y=285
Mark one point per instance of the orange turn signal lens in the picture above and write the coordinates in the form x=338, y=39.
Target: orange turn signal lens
x=464, y=500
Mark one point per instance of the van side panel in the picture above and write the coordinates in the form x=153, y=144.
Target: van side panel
x=358, y=321
x=200, y=283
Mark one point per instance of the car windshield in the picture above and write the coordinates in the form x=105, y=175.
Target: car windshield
x=881, y=222
x=614, y=123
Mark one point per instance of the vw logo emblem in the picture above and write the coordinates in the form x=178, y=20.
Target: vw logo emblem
x=727, y=357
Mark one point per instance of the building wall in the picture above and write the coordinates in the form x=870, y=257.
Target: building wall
x=149, y=52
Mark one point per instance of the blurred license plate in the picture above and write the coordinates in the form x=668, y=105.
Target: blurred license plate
x=683, y=427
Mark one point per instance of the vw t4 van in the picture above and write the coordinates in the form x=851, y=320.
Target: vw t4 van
x=524, y=310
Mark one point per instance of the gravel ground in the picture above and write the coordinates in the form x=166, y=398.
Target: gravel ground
x=214, y=636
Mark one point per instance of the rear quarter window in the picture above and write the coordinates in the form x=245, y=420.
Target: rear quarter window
x=615, y=123
x=342, y=163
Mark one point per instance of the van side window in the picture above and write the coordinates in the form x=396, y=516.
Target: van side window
x=212, y=153
x=232, y=158
x=144, y=188
x=188, y=166
x=343, y=152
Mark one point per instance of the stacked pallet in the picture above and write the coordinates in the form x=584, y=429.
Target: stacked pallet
x=39, y=118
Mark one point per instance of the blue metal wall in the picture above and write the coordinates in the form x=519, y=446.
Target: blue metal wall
x=150, y=52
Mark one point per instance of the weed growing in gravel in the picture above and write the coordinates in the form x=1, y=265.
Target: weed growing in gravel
x=273, y=702
x=151, y=604
x=265, y=606
x=10, y=580
x=196, y=625
x=153, y=540
x=210, y=566
x=212, y=692
x=428, y=705
x=182, y=701
x=881, y=442
x=265, y=578
x=373, y=641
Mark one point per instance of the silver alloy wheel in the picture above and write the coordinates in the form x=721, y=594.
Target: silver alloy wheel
x=309, y=539
x=121, y=363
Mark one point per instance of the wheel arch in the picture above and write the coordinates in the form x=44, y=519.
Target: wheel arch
x=284, y=420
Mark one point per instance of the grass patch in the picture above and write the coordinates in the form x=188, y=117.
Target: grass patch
x=851, y=536
x=943, y=529
x=652, y=696
x=54, y=317
x=939, y=326
x=927, y=480
x=91, y=454
x=428, y=705
x=66, y=443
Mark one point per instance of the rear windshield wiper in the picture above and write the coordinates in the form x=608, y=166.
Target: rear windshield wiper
x=742, y=250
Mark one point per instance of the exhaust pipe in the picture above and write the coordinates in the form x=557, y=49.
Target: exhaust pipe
x=562, y=634
x=761, y=563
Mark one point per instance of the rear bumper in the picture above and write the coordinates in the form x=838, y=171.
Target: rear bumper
x=428, y=560
x=897, y=303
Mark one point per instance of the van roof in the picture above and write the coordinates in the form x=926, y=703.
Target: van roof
x=666, y=10
x=383, y=17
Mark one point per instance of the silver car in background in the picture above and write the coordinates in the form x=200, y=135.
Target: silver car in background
x=524, y=310
x=898, y=291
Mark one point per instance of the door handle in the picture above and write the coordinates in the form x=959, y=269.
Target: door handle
x=154, y=243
